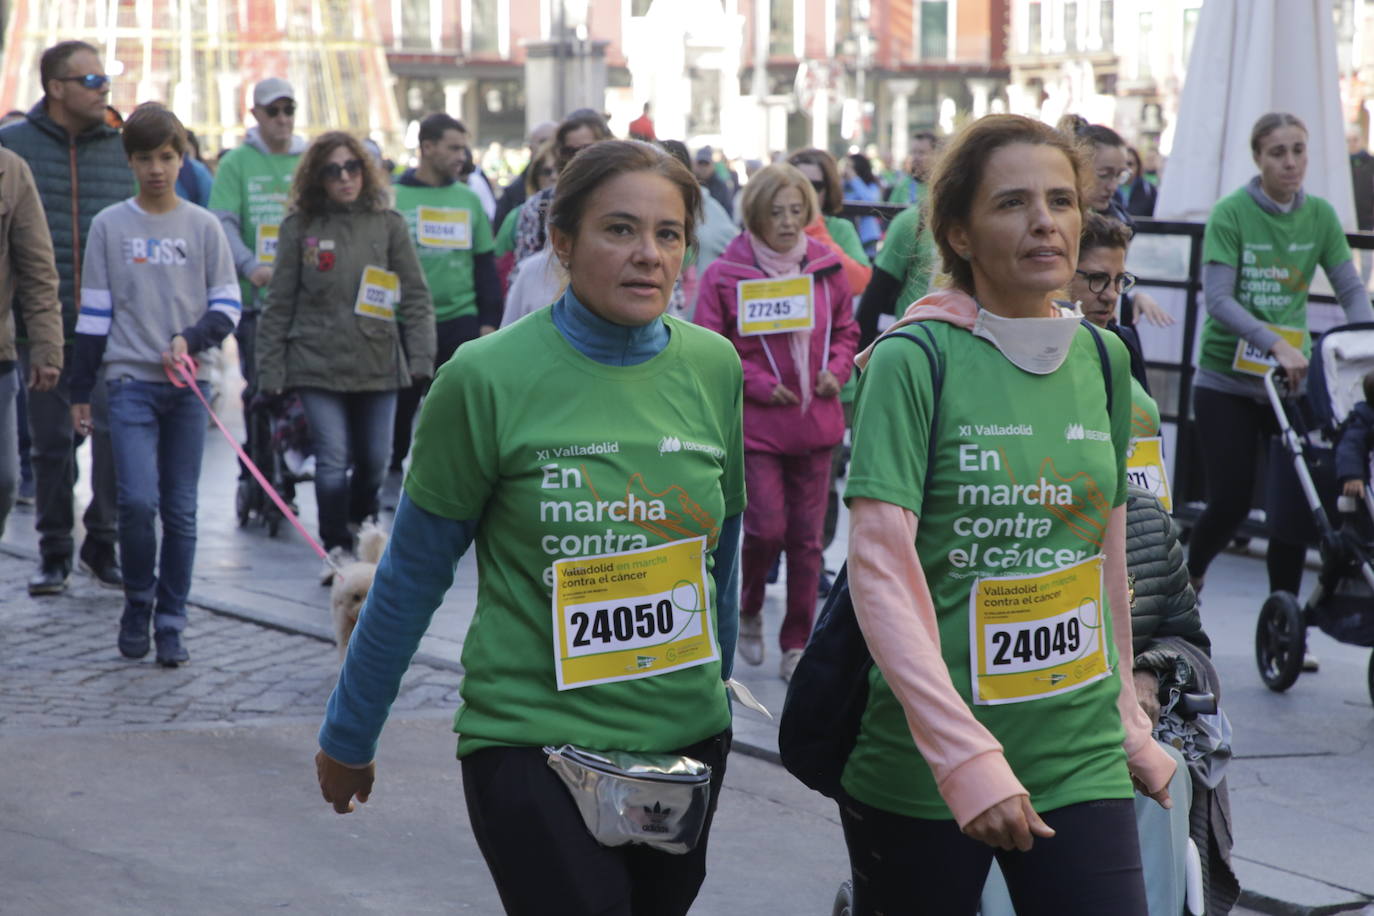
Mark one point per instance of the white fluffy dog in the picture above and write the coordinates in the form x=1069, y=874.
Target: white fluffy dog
x=351, y=584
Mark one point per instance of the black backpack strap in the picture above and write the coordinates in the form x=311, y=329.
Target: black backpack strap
x=1105, y=361
x=926, y=341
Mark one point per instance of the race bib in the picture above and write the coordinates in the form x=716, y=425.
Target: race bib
x=377, y=294
x=1253, y=361
x=266, y=247
x=443, y=227
x=1037, y=635
x=774, y=306
x=631, y=615
x=1146, y=469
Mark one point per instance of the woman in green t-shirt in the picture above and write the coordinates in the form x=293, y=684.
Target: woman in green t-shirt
x=996, y=717
x=1262, y=246
x=593, y=453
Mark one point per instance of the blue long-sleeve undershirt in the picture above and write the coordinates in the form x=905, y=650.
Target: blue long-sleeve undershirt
x=422, y=555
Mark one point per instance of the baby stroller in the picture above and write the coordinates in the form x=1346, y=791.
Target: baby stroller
x=1342, y=604
x=279, y=444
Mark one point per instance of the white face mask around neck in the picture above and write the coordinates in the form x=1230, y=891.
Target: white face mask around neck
x=1037, y=345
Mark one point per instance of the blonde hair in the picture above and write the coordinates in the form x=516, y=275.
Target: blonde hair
x=765, y=185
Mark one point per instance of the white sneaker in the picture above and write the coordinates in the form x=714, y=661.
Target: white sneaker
x=750, y=646
x=339, y=557
x=790, y=658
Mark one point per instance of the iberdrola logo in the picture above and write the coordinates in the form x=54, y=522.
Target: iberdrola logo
x=669, y=444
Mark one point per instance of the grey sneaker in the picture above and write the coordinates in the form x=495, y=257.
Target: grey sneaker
x=750, y=646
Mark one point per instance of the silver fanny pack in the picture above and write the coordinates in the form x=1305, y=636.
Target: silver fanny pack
x=657, y=800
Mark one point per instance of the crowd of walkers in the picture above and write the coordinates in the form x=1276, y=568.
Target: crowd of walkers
x=627, y=381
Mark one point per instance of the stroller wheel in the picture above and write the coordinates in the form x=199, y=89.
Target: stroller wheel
x=1280, y=641
x=844, y=900
x=1371, y=678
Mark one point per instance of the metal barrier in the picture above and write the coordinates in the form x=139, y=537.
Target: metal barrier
x=1186, y=480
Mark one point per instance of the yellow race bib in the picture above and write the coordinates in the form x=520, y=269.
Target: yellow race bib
x=1146, y=469
x=266, y=248
x=774, y=306
x=443, y=227
x=1037, y=635
x=631, y=615
x=1253, y=361
x=377, y=294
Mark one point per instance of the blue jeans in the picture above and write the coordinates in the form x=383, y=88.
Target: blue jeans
x=348, y=429
x=158, y=434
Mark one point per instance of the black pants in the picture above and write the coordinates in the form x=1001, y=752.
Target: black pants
x=450, y=335
x=544, y=861
x=904, y=866
x=1233, y=430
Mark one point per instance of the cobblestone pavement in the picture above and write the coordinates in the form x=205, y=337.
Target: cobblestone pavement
x=59, y=667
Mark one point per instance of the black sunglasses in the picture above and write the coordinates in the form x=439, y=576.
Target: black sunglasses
x=96, y=81
x=334, y=171
x=1098, y=281
x=287, y=108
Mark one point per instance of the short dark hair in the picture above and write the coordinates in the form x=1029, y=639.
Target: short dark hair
x=1103, y=232
x=678, y=150
x=53, y=63
x=151, y=126
x=434, y=126
x=927, y=135
x=955, y=181
x=607, y=159
x=830, y=177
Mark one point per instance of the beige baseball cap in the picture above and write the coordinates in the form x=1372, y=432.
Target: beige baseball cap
x=271, y=89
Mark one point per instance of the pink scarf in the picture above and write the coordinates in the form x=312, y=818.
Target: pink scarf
x=788, y=264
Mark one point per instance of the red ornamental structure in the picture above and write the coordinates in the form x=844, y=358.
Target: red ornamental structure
x=202, y=57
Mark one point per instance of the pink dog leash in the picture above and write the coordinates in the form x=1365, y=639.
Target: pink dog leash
x=186, y=369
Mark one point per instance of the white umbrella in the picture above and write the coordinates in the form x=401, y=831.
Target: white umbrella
x=1251, y=57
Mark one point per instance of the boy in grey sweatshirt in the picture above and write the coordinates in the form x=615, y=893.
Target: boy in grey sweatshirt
x=157, y=284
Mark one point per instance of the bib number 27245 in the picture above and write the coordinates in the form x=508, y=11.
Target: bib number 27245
x=630, y=615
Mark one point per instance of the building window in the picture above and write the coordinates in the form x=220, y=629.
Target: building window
x=935, y=30
x=1070, y=26
x=1034, y=45
x=780, y=21
x=1145, y=46
x=416, y=21
x=1107, y=25
x=484, y=33
x=1189, y=32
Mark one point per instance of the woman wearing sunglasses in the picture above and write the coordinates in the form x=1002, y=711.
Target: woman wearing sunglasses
x=346, y=270
x=830, y=228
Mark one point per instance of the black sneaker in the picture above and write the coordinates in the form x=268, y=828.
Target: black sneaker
x=133, y=635
x=170, y=651
x=51, y=578
x=99, y=560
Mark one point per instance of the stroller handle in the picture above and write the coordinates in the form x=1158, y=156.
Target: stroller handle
x=1293, y=444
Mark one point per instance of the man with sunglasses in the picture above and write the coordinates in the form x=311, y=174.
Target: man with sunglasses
x=249, y=197
x=80, y=168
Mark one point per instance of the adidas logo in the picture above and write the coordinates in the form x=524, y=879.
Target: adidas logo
x=655, y=819
x=669, y=444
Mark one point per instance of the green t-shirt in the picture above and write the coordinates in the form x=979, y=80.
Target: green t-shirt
x=847, y=237
x=1144, y=412
x=454, y=229
x=1027, y=470
x=561, y=456
x=908, y=253
x=505, y=235
x=256, y=186
x=907, y=190
x=1275, y=256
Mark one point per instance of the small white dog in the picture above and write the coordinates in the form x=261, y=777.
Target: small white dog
x=351, y=584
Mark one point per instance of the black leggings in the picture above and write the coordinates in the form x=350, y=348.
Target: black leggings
x=1232, y=431
x=544, y=861
x=449, y=336
x=907, y=866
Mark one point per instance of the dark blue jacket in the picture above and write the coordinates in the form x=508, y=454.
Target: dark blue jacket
x=77, y=177
x=1352, y=451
